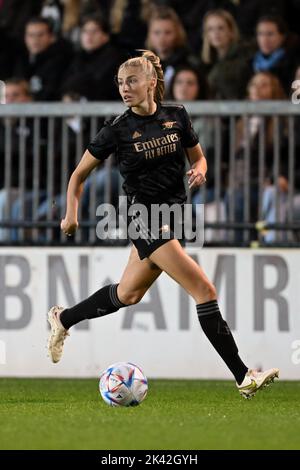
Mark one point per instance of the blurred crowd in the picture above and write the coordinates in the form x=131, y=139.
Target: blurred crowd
x=70, y=50
x=75, y=46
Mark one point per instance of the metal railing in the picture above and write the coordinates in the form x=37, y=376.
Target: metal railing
x=42, y=143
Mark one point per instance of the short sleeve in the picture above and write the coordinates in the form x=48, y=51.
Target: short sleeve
x=104, y=144
x=189, y=137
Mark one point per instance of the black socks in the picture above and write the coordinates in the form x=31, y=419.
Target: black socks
x=101, y=303
x=219, y=334
x=106, y=301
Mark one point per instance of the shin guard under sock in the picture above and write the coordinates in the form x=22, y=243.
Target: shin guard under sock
x=219, y=334
x=101, y=303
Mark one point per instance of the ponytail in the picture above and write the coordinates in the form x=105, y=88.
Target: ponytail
x=160, y=87
x=151, y=65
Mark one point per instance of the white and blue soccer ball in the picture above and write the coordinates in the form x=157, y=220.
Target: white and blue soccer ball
x=123, y=384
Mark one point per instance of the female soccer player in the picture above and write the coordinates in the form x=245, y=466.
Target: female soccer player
x=150, y=140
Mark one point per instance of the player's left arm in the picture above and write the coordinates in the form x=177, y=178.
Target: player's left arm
x=198, y=166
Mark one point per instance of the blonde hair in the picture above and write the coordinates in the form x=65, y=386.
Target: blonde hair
x=207, y=49
x=167, y=13
x=151, y=66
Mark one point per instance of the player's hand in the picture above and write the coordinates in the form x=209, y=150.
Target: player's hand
x=196, y=178
x=68, y=226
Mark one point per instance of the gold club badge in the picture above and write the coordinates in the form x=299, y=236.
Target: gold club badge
x=169, y=124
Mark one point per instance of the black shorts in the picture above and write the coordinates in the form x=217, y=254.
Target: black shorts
x=147, y=238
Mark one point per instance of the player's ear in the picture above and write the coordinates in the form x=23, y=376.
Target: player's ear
x=153, y=82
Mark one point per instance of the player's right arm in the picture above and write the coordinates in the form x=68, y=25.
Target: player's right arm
x=70, y=223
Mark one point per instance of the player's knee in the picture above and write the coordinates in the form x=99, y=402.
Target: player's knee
x=131, y=298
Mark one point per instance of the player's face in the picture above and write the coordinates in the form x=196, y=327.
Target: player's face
x=186, y=87
x=133, y=86
x=162, y=36
x=38, y=37
x=260, y=88
x=268, y=37
x=218, y=32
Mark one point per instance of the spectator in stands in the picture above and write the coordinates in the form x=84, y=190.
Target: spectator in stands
x=92, y=70
x=273, y=53
x=190, y=11
x=70, y=137
x=247, y=12
x=287, y=206
x=128, y=20
x=269, y=210
x=75, y=10
x=77, y=136
x=44, y=60
x=188, y=84
x=167, y=38
x=67, y=145
x=224, y=57
x=262, y=86
x=16, y=91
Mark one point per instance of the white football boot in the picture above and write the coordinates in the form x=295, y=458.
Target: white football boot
x=57, y=335
x=255, y=381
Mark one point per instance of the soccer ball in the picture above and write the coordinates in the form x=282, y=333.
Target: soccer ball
x=123, y=384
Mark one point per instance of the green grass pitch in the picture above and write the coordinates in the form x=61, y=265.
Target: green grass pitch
x=177, y=414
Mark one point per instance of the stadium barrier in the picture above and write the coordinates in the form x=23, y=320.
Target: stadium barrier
x=30, y=211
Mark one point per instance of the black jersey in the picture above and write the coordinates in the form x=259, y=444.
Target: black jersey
x=150, y=151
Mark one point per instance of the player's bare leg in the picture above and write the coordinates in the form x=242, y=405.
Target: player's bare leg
x=137, y=277
x=173, y=259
